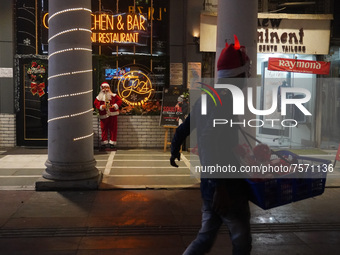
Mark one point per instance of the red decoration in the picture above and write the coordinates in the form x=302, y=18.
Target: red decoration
x=237, y=44
x=36, y=74
x=262, y=152
x=298, y=66
x=338, y=154
x=38, y=88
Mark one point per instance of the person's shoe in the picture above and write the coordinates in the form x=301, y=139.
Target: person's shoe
x=112, y=144
x=103, y=145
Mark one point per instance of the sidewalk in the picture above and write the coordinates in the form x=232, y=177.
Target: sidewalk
x=154, y=222
x=150, y=220
x=21, y=167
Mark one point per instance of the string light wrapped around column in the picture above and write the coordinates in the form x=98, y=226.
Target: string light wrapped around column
x=70, y=110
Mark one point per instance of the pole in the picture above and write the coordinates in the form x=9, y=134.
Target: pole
x=70, y=162
x=239, y=17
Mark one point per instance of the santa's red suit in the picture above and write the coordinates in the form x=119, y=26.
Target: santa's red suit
x=108, y=105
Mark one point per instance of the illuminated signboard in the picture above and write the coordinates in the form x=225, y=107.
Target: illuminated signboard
x=116, y=73
x=119, y=28
x=107, y=28
x=135, y=87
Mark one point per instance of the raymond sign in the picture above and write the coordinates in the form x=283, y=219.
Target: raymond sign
x=298, y=66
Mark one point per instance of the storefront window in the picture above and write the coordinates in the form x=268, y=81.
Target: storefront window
x=145, y=48
x=282, y=132
x=125, y=34
x=129, y=35
x=330, y=103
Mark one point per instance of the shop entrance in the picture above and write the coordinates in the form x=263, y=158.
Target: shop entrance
x=284, y=133
x=31, y=101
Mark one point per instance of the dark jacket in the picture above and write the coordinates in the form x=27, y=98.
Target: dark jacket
x=215, y=144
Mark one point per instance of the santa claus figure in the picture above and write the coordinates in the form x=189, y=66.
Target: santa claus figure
x=108, y=105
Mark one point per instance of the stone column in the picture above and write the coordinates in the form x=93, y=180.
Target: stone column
x=70, y=163
x=239, y=17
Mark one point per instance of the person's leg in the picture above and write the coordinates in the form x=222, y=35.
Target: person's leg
x=211, y=223
x=113, y=129
x=103, y=127
x=238, y=222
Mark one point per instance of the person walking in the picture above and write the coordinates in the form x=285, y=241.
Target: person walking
x=225, y=200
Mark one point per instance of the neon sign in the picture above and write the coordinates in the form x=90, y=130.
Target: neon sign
x=115, y=29
x=154, y=14
x=120, y=28
x=135, y=88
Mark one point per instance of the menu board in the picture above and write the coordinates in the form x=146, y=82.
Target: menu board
x=172, y=111
x=176, y=74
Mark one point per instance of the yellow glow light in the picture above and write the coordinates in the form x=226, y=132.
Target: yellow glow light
x=132, y=85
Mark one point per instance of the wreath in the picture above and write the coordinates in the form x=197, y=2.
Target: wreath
x=36, y=73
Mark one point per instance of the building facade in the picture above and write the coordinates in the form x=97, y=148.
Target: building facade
x=170, y=42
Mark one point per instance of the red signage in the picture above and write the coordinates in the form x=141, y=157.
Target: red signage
x=298, y=66
x=337, y=157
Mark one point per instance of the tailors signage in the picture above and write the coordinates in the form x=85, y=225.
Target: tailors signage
x=298, y=66
x=293, y=34
x=279, y=33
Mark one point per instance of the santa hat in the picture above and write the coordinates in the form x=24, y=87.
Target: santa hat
x=104, y=84
x=233, y=60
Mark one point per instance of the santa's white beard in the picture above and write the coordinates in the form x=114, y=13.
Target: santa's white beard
x=104, y=96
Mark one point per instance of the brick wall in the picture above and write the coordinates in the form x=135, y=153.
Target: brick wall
x=7, y=130
x=135, y=131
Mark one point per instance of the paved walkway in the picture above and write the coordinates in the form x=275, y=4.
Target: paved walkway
x=120, y=219
x=133, y=222
x=20, y=168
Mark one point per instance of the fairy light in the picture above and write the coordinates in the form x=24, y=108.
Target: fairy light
x=85, y=29
x=58, y=97
x=59, y=118
x=61, y=33
x=77, y=72
x=71, y=95
x=81, y=113
x=69, y=73
x=68, y=50
x=59, y=51
x=58, y=75
x=68, y=10
x=83, y=71
x=81, y=93
x=70, y=115
x=68, y=31
x=82, y=137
